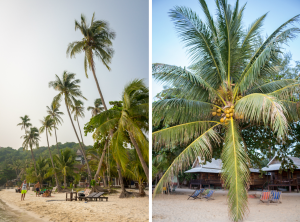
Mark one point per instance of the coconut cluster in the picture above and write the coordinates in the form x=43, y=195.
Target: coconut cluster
x=226, y=113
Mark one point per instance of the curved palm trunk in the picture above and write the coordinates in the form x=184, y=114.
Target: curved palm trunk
x=56, y=180
x=80, y=132
x=138, y=150
x=84, y=156
x=56, y=140
x=96, y=80
x=101, y=161
x=33, y=160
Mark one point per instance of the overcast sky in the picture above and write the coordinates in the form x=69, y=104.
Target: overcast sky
x=33, y=42
x=167, y=47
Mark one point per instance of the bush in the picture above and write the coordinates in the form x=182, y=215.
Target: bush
x=93, y=182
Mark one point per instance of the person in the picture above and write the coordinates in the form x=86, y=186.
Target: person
x=24, y=190
x=37, y=189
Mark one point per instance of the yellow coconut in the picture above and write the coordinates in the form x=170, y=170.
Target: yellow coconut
x=232, y=107
x=218, y=114
x=214, y=113
x=221, y=120
x=230, y=110
x=231, y=114
x=219, y=110
x=227, y=115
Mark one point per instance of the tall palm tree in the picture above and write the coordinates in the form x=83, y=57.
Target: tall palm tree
x=47, y=126
x=132, y=118
x=97, y=108
x=69, y=89
x=226, y=85
x=65, y=164
x=54, y=112
x=25, y=122
x=97, y=41
x=31, y=139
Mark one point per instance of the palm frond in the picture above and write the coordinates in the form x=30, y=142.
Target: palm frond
x=263, y=108
x=201, y=146
x=235, y=172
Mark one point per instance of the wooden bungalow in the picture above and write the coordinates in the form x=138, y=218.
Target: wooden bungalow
x=285, y=178
x=210, y=174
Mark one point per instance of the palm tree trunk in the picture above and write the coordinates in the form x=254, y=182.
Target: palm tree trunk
x=96, y=80
x=56, y=140
x=123, y=191
x=101, y=161
x=65, y=181
x=104, y=180
x=80, y=132
x=33, y=160
x=56, y=180
x=138, y=150
x=84, y=156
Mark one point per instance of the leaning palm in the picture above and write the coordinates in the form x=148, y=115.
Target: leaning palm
x=97, y=41
x=54, y=112
x=225, y=86
x=47, y=125
x=69, y=89
x=131, y=119
x=97, y=108
x=25, y=122
x=31, y=139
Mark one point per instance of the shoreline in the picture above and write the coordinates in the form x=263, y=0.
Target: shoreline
x=56, y=208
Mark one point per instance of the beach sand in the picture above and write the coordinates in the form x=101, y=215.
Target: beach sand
x=115, y=209
x=176, y=207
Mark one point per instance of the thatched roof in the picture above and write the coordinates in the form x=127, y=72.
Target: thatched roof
x=275, y=164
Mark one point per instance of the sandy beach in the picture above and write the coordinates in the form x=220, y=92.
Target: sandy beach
x=176, y=207
x=115, y=209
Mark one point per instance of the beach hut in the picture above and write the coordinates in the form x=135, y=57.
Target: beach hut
x=284, y=178
x=209, y=173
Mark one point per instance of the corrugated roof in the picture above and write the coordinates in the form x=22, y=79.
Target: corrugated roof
x=215, y=166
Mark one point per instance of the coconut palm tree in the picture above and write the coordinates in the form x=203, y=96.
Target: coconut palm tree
x=54, y=112
x=97, y=108
x=31, y=139
x=47, y=126
x=224, y=87
x=65, y=164
x=132, y=118
x=78, y=111
x=69, y=89
x=97, y=41
x=25, y=122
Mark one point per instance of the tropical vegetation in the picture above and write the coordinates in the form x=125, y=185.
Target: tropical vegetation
x=229, y=84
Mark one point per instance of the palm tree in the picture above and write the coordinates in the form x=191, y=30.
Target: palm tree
x=224, y=87
x=97, y=108
x=47, y=125
x=42, y=169
x=68, y=88
x=25, y=122
x=131, y=118
x=65, y=164
x=78, y=111
x=54, y=112
x=97, y=41
x=31, y=139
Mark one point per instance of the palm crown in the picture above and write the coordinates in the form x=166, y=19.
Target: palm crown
x=31, y=138
x=54, y=112
x=226, y=85
x=25, y=122
x=98, y=108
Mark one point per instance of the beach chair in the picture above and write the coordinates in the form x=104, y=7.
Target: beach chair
x=209, y=196
x=265, y=197
x=87, y=197
x=99, y=196
x=196, y=194
x=53, y=190
x=275, y=197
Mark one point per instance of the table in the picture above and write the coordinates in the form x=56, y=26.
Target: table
x=71, y=196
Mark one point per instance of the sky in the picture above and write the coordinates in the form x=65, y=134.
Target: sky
x=33, y=42
x=167, y=47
